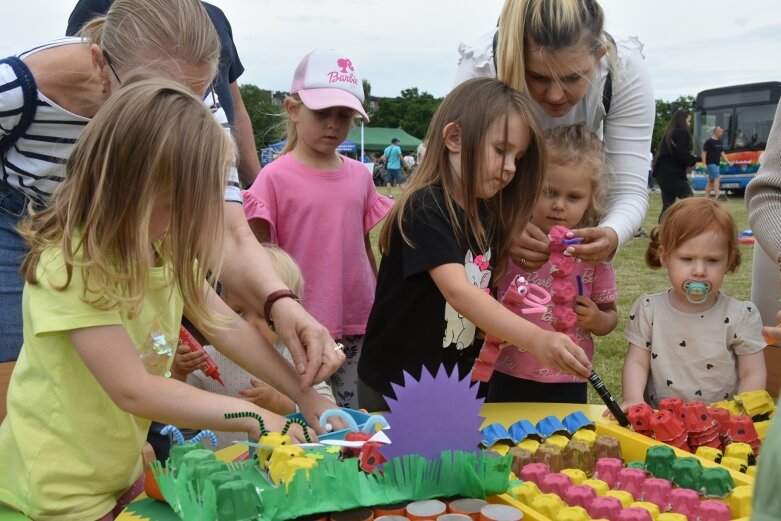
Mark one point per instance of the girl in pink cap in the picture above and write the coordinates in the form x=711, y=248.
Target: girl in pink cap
x=319, y=205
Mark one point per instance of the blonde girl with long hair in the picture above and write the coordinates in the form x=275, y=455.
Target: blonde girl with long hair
x=575, y=72
x=119, y=255
x=572, y=195
x=448, y=234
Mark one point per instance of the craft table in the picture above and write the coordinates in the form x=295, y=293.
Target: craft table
x=504, y=413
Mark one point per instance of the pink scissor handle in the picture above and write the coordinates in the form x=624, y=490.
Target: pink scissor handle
x=525, y=298
x=536, y=301
x=522, y=298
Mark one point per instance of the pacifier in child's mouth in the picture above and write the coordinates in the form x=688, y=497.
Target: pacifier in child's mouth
x=696, y=291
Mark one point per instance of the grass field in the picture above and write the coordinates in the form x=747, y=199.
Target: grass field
x=635, y=278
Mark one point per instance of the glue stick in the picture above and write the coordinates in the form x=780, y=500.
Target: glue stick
x=211, y=368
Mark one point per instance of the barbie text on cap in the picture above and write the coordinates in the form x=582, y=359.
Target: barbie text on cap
x=325, y=79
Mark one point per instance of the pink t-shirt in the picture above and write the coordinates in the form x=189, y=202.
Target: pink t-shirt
x=320, y=217
x=599, y=284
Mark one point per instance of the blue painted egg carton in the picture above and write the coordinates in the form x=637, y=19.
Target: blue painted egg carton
x=545, y=428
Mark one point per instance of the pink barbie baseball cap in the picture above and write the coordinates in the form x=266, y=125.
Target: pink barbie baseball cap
x=325, y=79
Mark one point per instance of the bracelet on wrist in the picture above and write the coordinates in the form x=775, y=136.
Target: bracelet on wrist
x=273, y=297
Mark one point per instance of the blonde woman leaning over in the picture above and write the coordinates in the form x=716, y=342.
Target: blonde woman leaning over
x=49, y=93
x=559, y=52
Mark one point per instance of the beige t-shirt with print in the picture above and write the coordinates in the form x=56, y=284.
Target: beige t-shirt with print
x=693, y=355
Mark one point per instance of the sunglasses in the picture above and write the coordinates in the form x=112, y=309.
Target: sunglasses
x=111, y=66
x=213, y=108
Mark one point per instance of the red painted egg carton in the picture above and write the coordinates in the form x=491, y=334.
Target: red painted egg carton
x=693, y=425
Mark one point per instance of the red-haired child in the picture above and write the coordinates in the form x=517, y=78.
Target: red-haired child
x=692, y=341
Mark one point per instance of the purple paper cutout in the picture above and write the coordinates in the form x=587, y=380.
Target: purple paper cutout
x=437, y=413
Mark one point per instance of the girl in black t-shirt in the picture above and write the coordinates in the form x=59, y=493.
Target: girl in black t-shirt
x=447, y=234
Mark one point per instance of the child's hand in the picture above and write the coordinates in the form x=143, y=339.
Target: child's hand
x=625, y=405
x=263, y=395
x=772, y=334
x=314, y=404
x=589, y=315
x=559, y=351
x=148, y=454
x=186, y=361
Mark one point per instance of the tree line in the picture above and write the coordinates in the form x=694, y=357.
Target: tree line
x=412, y=111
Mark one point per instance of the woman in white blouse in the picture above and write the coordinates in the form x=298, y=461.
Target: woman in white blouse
x=558, y=52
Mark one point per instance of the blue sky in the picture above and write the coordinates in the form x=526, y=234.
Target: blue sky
x=690, y=45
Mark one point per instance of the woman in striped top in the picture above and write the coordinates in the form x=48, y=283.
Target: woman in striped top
x=61, y=85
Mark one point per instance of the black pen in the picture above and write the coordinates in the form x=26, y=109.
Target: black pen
x=603, y=393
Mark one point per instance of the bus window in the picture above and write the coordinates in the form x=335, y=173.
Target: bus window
x=745, y=112
x=705, y=122
x=753, y=124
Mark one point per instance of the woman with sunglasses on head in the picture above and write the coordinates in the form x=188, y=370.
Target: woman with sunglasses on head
x=558, y=52
x=48, y=95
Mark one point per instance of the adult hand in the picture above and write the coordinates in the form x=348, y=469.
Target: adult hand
x=530, y=249
x=598, y=244
x=588, y=313
x=313, y=350
x=186, y=361
x=263, y=395
x=312, y=405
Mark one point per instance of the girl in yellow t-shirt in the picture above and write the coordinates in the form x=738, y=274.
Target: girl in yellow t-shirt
x=126, y=246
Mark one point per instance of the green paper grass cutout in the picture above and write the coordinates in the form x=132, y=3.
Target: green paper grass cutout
x=335, y=485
